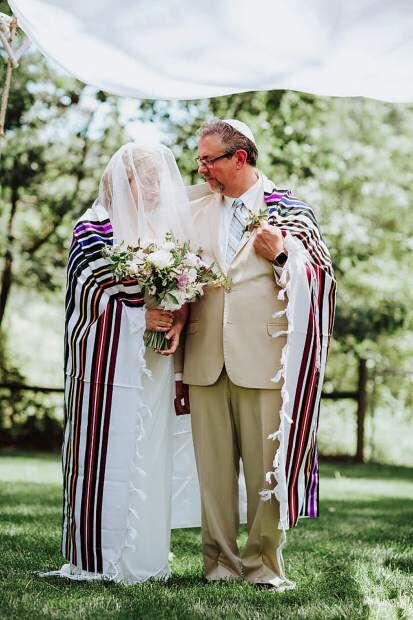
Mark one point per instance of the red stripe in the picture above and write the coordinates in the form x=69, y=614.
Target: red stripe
x=105, y=434
x=301, y=415
x=97, y=384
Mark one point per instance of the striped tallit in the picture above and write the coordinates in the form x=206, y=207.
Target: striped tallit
x=104, y=367
x=307, y=280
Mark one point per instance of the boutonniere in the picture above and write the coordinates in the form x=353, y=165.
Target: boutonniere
x=255, y=220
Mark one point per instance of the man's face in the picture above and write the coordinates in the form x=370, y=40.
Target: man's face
x=220, y=174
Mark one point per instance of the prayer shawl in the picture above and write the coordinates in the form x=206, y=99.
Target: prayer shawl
x=307, y=280
x=104, y=411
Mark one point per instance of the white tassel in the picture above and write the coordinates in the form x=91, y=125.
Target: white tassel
x=275, y=435
x=279, y=314
x=281, y=294
x=269, y=477
x=133, y=511
x=276, y=460
x=280, y=333
x=139, y=470
x=266, y=495
x=283, y=277
x=277, y=377
x=136, y=490
x=133, y=532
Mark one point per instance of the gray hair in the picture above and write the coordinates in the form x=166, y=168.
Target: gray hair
x=231, y=138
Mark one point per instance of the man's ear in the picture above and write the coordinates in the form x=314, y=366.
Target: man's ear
x=241, y=158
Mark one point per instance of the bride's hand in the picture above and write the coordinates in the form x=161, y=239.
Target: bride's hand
x=158, y=320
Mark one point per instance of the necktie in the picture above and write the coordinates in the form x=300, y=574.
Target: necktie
x=236, y=229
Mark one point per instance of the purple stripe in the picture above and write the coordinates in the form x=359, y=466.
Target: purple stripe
x=88, y=226
x=312, y=492
x=274, y=197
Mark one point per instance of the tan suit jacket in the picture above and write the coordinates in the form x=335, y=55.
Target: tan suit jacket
x=234, y=327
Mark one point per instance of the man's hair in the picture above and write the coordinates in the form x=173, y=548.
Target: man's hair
x=231, y=138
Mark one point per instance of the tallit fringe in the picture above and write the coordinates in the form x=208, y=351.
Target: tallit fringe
x=133, y=518
x=298, y=259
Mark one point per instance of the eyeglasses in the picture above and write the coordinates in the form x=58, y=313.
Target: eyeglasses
x=210, y=162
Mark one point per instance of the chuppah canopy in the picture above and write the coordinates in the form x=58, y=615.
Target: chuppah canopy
x=187, y=49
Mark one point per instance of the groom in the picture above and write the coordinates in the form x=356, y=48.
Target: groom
x=230, y=356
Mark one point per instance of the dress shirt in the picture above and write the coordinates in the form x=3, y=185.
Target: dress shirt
x=249, y=199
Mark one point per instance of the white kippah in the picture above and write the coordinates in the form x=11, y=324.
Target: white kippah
x=241, y=127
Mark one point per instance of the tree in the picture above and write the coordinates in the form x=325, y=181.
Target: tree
x=59, y=136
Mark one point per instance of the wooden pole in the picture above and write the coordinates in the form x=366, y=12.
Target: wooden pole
x=11, y=63
x=361, y=409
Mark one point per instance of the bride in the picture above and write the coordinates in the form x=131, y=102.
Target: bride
x=117, y=448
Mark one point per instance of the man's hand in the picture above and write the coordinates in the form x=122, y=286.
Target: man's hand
x=268, y=242
x=181, y=401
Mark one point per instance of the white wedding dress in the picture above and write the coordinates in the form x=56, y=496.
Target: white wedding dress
x=166, y=442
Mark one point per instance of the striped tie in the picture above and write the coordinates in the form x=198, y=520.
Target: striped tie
x=236, y=229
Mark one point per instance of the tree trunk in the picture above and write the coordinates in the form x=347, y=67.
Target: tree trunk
x=7, y=275
x=5, y=282
x=361, y=409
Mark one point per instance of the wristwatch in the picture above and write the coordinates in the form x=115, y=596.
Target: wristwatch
x=280, y=259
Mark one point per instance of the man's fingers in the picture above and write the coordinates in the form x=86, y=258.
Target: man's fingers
x=181, y=401
x=180, y=408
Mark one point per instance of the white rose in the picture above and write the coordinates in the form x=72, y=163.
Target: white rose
x=138, y=257
x=160, y=258
x=192, y=275
x=168, y=245
x=191, y=259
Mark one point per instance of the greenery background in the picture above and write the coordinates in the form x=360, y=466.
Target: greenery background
x=349, y=158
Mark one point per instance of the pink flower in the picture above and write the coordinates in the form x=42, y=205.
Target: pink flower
x=182, y=281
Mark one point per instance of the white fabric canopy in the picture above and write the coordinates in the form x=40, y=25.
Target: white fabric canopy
x=187, y=49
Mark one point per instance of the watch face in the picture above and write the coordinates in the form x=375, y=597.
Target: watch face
x=281, y=258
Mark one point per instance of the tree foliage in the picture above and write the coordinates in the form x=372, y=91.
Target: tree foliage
x=349, y=159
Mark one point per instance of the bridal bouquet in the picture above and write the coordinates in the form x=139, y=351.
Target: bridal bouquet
x=169, y=274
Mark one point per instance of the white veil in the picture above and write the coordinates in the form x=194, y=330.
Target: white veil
x=143, y=192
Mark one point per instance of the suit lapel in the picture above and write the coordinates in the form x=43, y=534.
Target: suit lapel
x=214, y=215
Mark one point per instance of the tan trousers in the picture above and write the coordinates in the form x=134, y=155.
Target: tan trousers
x=228, y=423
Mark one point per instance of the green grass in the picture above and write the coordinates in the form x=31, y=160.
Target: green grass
x=355, y=562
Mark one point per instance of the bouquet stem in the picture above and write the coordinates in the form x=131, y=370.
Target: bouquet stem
x=155, y=340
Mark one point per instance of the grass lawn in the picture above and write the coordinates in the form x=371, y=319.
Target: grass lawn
x=356, y=561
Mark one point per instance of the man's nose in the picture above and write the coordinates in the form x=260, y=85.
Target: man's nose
x=202, y=168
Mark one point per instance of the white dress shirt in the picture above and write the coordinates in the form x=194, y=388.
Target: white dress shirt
x=249, y=199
